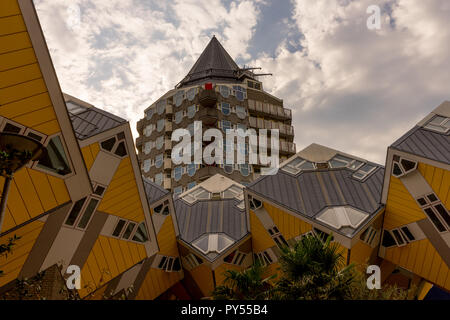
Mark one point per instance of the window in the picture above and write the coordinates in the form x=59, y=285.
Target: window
x=244, y=169
x=99, y=190
x=225, y=107
x=178, y=117
x=278, y=237
x=190, y=185
x=298, y=164
x=159, y=179
x=54, y=158
x=169, y=264
x=74, y=212
x=435, y=211
x=130, y=227
x=149, y=113
x=264, y=258
x=177, y=173
x=176, y=191
x=160, y=125
x=163, y=208
x=191, y=110
x=388, y=239
x=10, y=128
x=191, y=168
x=178, y=98
x=190, y=94
x=242, y=126
x=233, y=191
x=197, y=194
x=147, y=165
x=240, y=112
x=235, y=257
x=224, y=91
x=88, y=213
x=342, y=216
x=115, y=145
x=439, y=124
x=402, y=167
x=401, y=236
x=159, y=142
x=149, y=129
x=364, y=171
x=254, y=203
x=192, y=260
x=226, y=125
x=369, y=235
x=161, y=106
x=239, y=92
x=74, y=108
x=339, y=161
x=159, y=160
x=148, y=147
x=119, y=227
x=213, y=242
x=141, y=233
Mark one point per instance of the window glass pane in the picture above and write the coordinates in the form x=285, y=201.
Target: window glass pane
x=202, y=243
x=178, y=172
x=159, y=178
x=437, y=120
x=161, y=106
x=75, y=212
x=54, y=159
x=88, y=213
x=178, y=98
x=222, y=243
x=191, y=94
x=74, y=108
x=225, y=108
x=159, y=142
x=435, y=220
x=146, y=165
x=191, y=168
x=128, y=230
x=388, y=240
x=191, y=111
x=408, y=233
x=355, y=164
x=398, y=237
x=121, y=150
x=99, y=190
x=306, y=166
x=160, y=125
x=159, y=160
x=224, y=91
x=141, y=233
x=150, y=113
x=240, y=112
x=244, y=168
x=11, y=128
x=178, y=117
x=443, y=213
x=108, y=144
x=118, y=228
x=178, y=190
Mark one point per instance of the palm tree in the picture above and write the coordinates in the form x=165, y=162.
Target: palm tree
x=313, y=269
x=248, y=284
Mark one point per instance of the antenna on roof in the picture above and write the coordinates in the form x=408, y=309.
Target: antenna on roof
x=262, y=74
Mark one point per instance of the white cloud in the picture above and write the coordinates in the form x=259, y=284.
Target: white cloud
x=358, y=90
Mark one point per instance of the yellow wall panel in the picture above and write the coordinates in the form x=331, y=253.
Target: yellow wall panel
x=157, y=282
x=29, y=192
x=16, y=206
x=167, y=239
x=203, y=277
x=35, y=118
x=59, y=189
x=20, y=75
x=8, y=221
x=222, y=269
x=109, y=255
x=42, y=185
x=11, y=24
x=360, y=253
x=21, y=107
x=12, y=263
x=87, y=156
x=289, y=226
x=9, y=8
x=16, y=59
x=439, y=181
x=22, y=91
x=261, y=239
x=49, y=128
x=14, y=42
x=115, y=248
x=423, y=260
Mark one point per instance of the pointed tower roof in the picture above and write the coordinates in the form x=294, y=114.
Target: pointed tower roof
x=213, y=64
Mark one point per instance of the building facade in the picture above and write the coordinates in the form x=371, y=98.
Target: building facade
x=85, y=203
x=218, y=94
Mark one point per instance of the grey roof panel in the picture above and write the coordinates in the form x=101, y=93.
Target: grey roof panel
x=425, y=143
x=319, y=189
x=213, y=63
x=93, y=121
x=153, y=191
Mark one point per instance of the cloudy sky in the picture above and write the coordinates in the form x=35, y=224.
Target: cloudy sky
x=350, y=88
